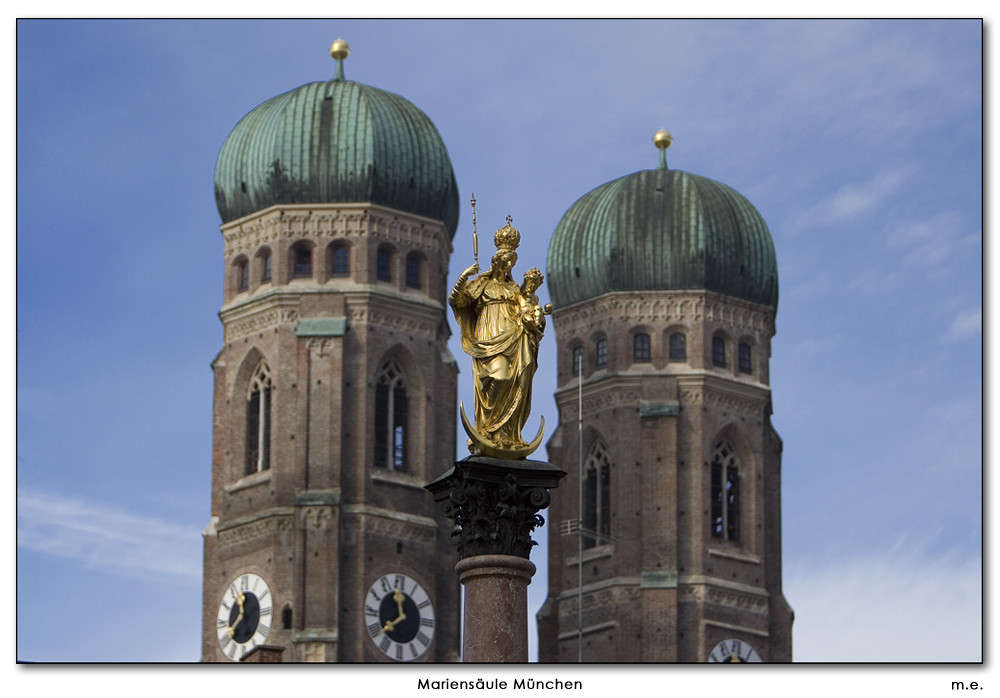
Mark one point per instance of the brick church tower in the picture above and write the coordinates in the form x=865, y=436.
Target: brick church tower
x=667, y=531
x=334, y=387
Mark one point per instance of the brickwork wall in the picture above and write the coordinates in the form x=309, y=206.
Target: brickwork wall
x=664, y=589
x=323, y=523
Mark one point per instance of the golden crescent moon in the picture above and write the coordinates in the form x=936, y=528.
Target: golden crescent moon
x=487, y=448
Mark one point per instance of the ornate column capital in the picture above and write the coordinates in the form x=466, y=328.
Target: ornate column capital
x=495, y=502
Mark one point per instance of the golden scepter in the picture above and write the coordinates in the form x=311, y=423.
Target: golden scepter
x=475, y=236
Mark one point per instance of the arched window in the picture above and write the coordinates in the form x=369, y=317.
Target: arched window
x=601, y=355
x=383, y=264
x=301, y=261
x=265, y=266
x=725, y=492
x=640, y=347
x=286, y=617
x=718, y=351
x=258, y=451
x=678, y=347
x=340, y=260
x=596, y=497
x=242, y=275
x=745, y=363
x=390, y=418
x=413, y=270
x=577, y=360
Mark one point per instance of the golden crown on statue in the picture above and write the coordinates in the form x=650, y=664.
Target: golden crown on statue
x=507, y=238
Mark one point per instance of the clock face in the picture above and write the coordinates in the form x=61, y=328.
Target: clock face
x=399, y=616
x=244, y=615
x=733, y=651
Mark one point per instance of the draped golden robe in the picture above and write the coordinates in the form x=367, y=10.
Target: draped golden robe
x=504, y=355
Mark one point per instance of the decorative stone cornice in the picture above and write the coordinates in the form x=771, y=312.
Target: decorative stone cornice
x=663, y=308
x=362, y=518
x=724, y=394
x=599, y=394
x=316, y=516
x=607, y=592
x=720, y=592
x=266, y=524
x=324, y=223
x=390, y=311
x=258, y=314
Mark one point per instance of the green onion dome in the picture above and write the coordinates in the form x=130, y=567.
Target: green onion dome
x=662, y=230
x=336, y=142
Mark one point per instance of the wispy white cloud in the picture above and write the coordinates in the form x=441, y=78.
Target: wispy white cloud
x=853, y=199
x=106, y=537
x=900, y=606
x=931, y=242
x=967, y=324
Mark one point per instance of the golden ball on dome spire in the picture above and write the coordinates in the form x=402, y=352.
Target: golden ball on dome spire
x=662, y=139
x=339, y=50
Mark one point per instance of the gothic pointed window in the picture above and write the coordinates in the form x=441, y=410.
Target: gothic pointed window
x=390, y=418
x=258, y=422
x=596, y=497
x=725, y=492
x=577, y=360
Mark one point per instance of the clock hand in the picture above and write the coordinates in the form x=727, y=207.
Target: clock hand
x=398, y=598
x=390, y=625
x=239, y=618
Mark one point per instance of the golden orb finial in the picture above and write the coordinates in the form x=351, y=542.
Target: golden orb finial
x=340, y=50
x=662, y=140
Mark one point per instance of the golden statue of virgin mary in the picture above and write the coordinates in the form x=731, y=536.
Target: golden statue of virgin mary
x=501, y=324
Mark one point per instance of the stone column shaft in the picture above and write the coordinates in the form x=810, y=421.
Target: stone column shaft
x=496, y=607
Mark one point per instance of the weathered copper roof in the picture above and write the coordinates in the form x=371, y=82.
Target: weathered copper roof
x=662, y=230
x=333, y=142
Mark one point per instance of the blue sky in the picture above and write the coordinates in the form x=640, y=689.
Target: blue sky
x=860, y=142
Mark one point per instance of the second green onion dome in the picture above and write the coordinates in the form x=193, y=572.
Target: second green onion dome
x=336, y=142
x=662, y=229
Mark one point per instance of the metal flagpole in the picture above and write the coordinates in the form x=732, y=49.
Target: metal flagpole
x=579, y=512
